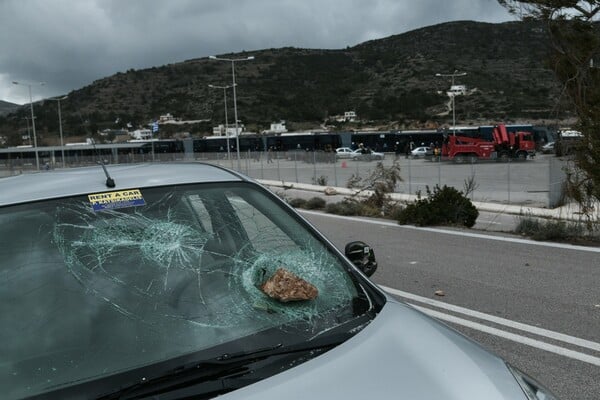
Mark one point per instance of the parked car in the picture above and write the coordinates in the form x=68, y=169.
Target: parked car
x=367, y=155
x=187, y=280
x=548, y=148
x=421, y=152
x=343, y=153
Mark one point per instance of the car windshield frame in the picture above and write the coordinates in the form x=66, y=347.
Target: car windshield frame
x=85, y=240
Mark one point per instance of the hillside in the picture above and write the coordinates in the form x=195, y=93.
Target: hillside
x=389, y=82
x=6, y=107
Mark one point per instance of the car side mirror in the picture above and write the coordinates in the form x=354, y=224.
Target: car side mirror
x=363, y=256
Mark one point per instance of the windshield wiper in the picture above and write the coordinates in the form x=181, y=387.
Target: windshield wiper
x=227, y=369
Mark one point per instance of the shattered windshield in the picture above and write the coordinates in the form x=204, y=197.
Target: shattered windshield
x=91, y=286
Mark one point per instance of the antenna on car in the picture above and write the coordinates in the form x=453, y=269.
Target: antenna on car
x=110, y=182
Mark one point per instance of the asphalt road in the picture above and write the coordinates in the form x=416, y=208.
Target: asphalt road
x=537, y=305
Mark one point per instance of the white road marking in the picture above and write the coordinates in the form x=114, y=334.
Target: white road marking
x=508, y=239
x=576, y=355
x=497, y=320
x=513, y=337
x=459, y=233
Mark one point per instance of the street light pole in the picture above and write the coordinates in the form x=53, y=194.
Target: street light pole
x=454, y=74
x=28, y=131
x=62, y=149
x=226, y=121
x=237, y=132
x=37, y=158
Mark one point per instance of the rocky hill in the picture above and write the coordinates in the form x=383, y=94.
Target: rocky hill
x=6, y=107
x=389, y=82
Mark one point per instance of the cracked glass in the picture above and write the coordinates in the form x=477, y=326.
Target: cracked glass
x=87, y=293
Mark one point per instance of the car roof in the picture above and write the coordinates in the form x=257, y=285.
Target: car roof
x=80, y=181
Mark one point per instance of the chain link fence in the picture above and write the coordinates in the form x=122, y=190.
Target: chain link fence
x=536, y=182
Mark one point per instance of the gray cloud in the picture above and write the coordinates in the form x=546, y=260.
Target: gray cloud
x=68, y=44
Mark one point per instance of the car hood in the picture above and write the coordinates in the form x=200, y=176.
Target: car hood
x=402, y=354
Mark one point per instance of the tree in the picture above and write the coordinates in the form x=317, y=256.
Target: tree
x=574, y=34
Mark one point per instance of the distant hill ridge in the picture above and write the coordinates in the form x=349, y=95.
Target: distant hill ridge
x=390, y=82
x=6, y=107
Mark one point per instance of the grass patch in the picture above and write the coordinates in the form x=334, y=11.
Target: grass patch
x=552, y=230
x=343, y=208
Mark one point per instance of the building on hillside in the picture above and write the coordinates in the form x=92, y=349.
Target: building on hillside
x=141, y=134
x=166, y=118
x=228, y=130
x=457, y=90
x=349, y=116
x=277, y=128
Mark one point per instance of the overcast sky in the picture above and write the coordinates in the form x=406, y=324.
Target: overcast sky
x=69, y=43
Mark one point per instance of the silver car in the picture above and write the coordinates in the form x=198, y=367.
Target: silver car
x=191, y=281
x=421, y=152
x=366, y=155
x=343, y=153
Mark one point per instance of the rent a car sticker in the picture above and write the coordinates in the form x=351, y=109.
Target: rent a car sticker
x=113, y=200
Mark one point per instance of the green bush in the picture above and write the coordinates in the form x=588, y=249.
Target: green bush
x=347, y=207
x=393, y=211
x=445, y=206
x=297, y=203
x=353, y=207
x=315, y=203
x=334, y=208
x=369, y=211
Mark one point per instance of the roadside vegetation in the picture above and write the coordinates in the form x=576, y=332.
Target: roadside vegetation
x=557, y=230
x=441, y=206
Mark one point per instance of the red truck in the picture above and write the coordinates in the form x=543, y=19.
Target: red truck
x=503, y=146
